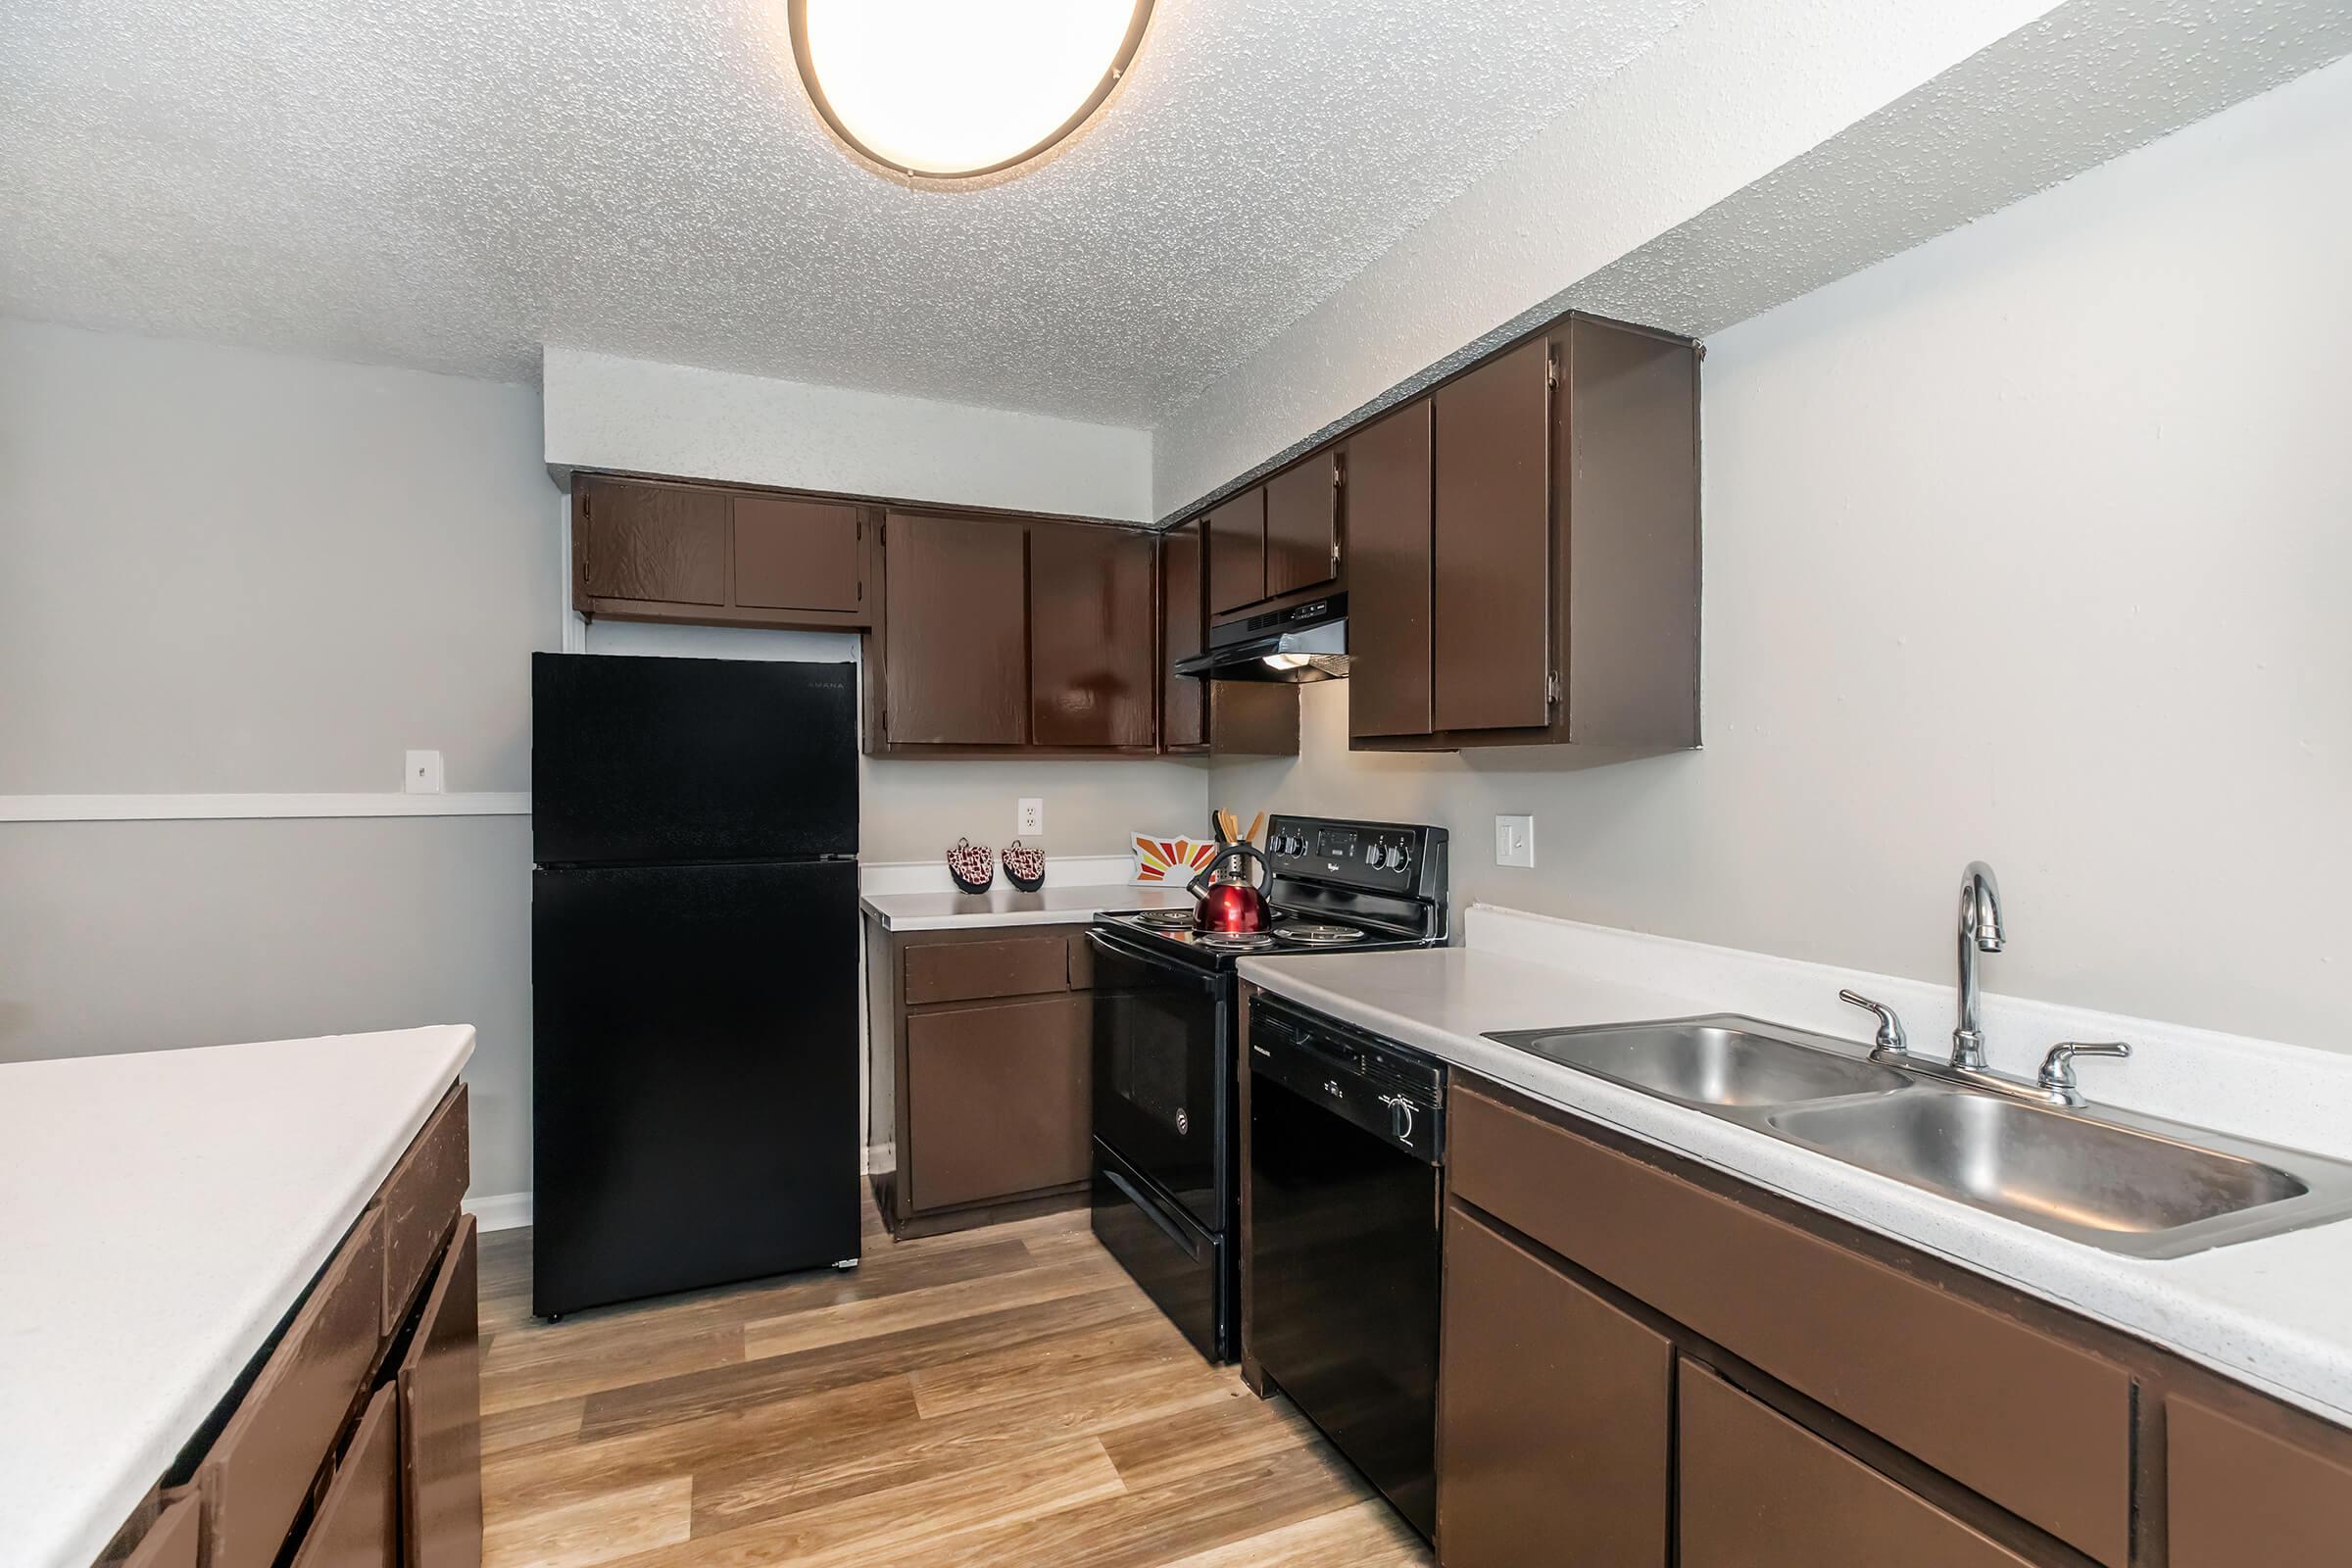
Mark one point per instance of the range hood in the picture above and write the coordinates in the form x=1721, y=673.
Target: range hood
x=1305, y=642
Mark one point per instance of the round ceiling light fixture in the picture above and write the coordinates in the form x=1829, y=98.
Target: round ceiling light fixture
x=953, y=90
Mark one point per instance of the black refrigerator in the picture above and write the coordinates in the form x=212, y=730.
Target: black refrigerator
x=694, y=973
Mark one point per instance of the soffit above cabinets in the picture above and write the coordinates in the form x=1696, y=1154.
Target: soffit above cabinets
x=451, y=184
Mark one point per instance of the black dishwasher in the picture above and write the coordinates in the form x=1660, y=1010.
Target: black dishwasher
x=1346, y=1131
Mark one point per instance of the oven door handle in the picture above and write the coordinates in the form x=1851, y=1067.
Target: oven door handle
x=1104, y=943
x=1168, y=1226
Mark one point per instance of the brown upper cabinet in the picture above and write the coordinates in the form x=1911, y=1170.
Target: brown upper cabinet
x=955, y=632
x=1236, y=551
x=1388, y=575
x=1091, y=671
x=650, y=550
x=1183, y=709
x=1562, y=587
x=1302, y=525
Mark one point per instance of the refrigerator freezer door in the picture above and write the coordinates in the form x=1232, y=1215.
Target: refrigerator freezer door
x=654, y=761
x=696, y=1076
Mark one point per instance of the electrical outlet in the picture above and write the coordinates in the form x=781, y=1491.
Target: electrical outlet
x=1515, y=841
x=1029, y=822
x=424, y=776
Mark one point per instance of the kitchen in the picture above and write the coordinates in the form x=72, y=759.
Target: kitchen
x=1693, y=532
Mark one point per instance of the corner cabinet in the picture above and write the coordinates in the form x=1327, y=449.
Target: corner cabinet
x=1649, y=1362
x=660, y=551
x=1525, y=551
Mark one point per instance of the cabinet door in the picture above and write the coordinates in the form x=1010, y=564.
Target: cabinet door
x=799, y=554
x=172, y=1540
x=1236, y=551
x=1553, y=1416
x=357, y=1524
x=1388, y=575
x=441, y=1418
x=1091, y=673
x=2242, y=1495
x=1757, y=1490
x=1490, y=527
x=659, y=543
x=998, y=1100
x=1182, y=708
x=1302, y=525
x=954, y=631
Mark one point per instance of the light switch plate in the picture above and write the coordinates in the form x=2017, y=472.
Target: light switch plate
x=423, y=774
x=1029, y=822
x=1515, y=841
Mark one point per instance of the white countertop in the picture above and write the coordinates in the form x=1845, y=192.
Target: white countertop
x=158, y=1213
x=1003, y=905
x=2275, y=1312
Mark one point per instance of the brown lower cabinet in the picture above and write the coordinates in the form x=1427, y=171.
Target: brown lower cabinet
x=356, y=1440
x=981, y=1048
x=1647, y=1361
x=1555, y=1408
x=1758, y=1490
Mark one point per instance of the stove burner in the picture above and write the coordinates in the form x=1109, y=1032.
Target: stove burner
x=1318, y=936
x=1233, y=941
x=1166, y=919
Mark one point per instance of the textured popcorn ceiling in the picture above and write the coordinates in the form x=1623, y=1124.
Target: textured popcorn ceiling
x=449, y=183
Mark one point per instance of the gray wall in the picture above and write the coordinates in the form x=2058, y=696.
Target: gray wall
x=236, y=572
x=2030, y=544
x=231, y=571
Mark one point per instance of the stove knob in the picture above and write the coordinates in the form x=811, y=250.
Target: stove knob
x=1400, y=856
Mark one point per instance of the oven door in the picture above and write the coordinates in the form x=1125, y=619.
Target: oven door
x=1164, y=1080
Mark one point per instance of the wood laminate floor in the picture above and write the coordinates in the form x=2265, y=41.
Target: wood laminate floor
x=1002, y=1395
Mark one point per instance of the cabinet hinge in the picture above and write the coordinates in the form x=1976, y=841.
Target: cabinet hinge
x=1551, y=370
x=1552, y=688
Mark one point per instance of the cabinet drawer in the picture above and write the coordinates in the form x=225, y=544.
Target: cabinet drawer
x=998, y=1100
x=172, y=1540
x=261, y=1469
x=358, y=1522
x=1757, y=1490
x=441, y=1418
x=969, y=972
x=2037, y=1425
x=419, y=1201
x=2240, y=1496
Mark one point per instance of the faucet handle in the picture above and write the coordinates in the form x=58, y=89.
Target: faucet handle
x=2057, y=1076
x=1890, y=1041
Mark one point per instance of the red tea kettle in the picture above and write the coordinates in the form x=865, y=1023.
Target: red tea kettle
x=1230, y=902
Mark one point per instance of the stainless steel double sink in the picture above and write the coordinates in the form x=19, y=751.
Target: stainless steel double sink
x=2130, y=1184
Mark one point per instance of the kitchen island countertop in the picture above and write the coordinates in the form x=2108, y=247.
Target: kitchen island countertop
x=159, y=1215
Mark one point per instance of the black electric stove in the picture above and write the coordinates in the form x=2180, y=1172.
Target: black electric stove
x=1167, y=1026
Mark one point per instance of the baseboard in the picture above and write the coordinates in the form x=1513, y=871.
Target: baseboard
x=500, y=1212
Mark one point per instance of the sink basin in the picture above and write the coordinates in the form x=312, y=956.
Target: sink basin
x=2130, y=1184
x=2115, y=1186
x=1711, y=1062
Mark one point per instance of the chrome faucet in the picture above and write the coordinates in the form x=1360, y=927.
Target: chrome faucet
x=1980, y=932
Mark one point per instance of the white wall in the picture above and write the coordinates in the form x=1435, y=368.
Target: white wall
x=642, y=416
x=227, y=570
x=2032, y=545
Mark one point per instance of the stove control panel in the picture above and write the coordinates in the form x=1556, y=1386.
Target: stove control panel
x=1387, y=857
